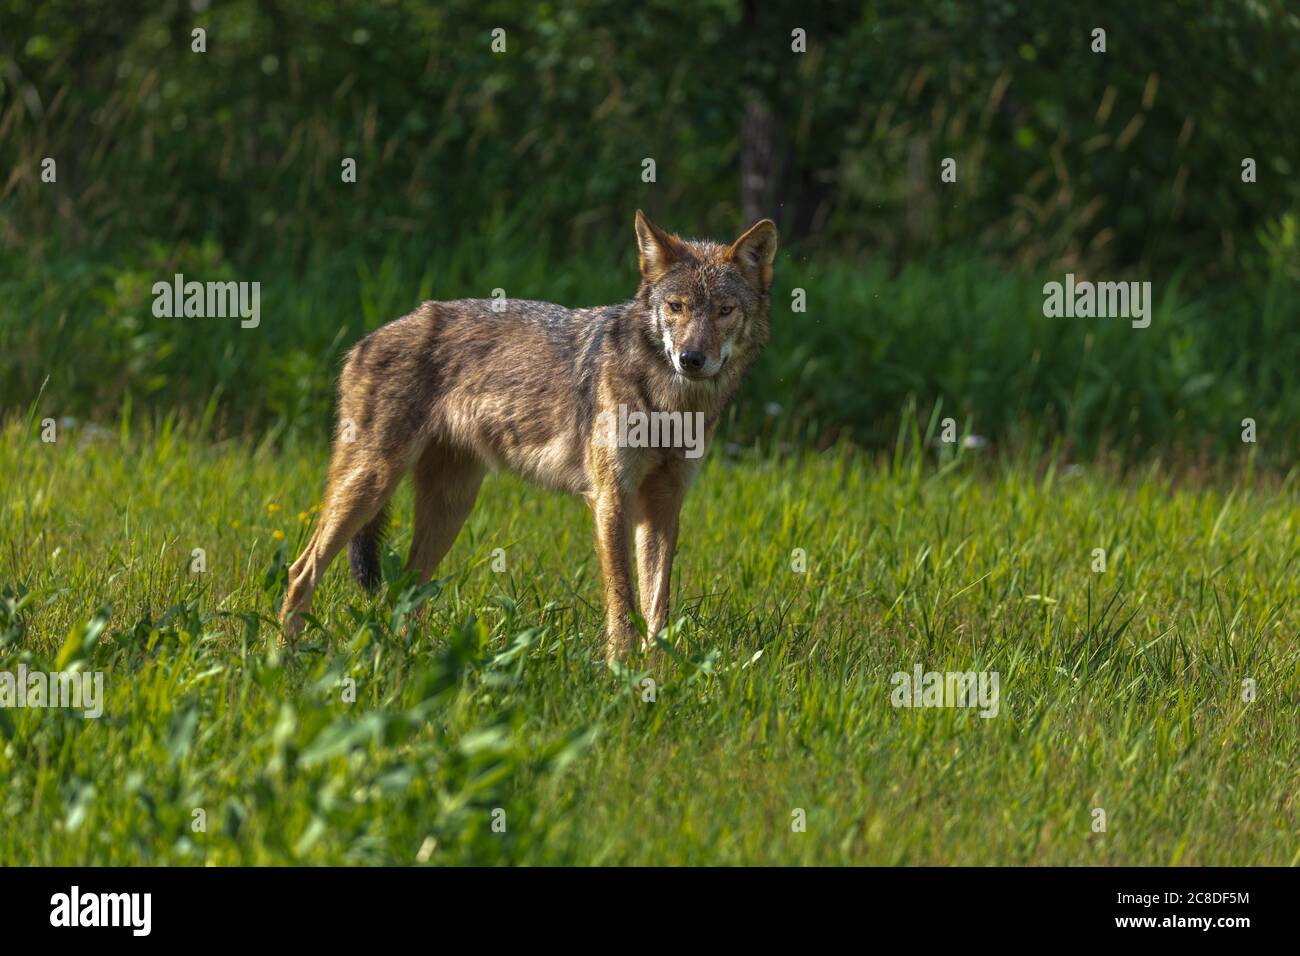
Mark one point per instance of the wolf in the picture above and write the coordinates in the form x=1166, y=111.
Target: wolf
x=455, y=389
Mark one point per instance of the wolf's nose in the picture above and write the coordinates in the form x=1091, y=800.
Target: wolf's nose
x=691, y=360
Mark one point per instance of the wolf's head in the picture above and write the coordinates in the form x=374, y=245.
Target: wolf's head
x=707, y=301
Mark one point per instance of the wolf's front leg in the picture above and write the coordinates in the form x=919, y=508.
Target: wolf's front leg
x=609, y=506
x=659, y=505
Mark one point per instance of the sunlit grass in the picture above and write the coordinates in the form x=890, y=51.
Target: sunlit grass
x=1121, y=690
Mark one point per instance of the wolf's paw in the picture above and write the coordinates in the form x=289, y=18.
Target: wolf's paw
x=292, y=624
x=618, y=646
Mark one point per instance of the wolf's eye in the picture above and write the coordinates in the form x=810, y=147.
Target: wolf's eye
x=726, y=310
x=674, y=306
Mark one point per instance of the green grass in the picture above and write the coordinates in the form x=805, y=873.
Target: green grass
x=1120, y=690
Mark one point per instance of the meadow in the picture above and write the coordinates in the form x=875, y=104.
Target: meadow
x=1161, y=691
x=1113, y=533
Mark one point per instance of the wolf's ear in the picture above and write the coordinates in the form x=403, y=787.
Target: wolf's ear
x=754, y=251
x=657, y=249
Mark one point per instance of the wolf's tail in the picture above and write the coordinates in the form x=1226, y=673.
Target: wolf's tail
x=363, y=551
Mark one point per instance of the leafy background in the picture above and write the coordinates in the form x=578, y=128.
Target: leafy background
x=521, y=170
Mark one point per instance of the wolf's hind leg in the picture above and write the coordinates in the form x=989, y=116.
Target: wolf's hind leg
x=359, y=488
x=446, y=485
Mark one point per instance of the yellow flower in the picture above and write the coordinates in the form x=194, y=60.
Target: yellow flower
x=272, y=508
x=235, y=524
x=303, y=517
x=277, y=534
